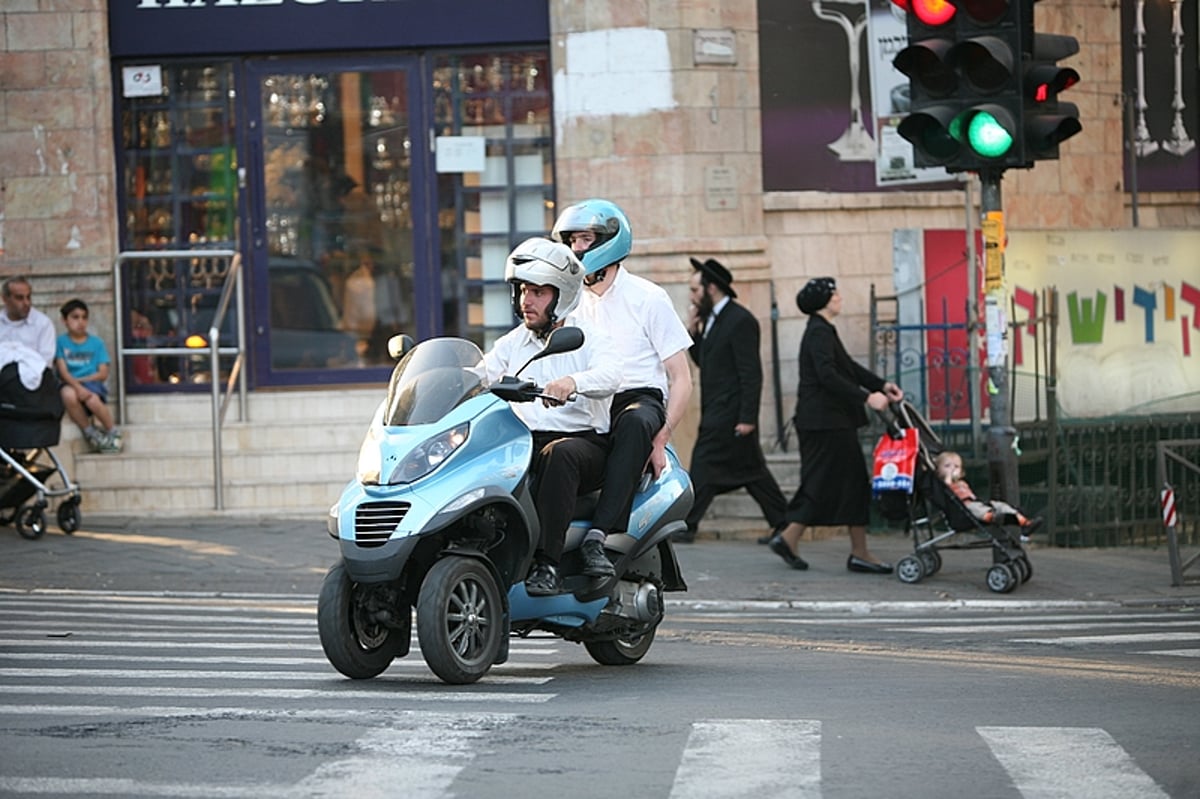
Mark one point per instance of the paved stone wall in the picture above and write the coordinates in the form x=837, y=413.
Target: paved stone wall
x=57, y=197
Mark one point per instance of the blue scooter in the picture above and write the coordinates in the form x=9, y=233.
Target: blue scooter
x=440, y=518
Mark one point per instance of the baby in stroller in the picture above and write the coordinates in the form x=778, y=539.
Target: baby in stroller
x=942, y=512
x=949, y=467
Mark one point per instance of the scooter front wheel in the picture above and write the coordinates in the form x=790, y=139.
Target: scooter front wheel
x=460, y=620
x=621, y=651
x=355, y=641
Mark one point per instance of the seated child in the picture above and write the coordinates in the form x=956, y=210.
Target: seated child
x=82, y=363
x=949, y=467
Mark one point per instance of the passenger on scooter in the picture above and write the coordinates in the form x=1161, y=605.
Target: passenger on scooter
x=656, y=381
x=569, y=436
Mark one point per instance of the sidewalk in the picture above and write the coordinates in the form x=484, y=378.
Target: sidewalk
x=230, y=553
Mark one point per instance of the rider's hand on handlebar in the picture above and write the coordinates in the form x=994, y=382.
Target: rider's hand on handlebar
x=561, y=390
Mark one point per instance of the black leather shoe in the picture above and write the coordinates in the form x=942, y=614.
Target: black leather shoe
x=595, y=562
x=543, y=581
x=781, y=548
x=855, y=564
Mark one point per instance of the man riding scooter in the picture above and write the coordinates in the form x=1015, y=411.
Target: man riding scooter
x=570, y=428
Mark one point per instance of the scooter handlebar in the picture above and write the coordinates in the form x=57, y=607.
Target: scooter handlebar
x=512, y=389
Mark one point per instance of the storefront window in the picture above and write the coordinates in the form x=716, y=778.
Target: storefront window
x=505, y=99
x=178, y=191
x=337, y=156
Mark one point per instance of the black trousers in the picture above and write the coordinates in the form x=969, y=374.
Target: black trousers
x=763, y=490
x=637, y=416
x=565, y=465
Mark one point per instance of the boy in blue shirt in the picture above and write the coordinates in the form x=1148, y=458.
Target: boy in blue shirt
x=82, y=363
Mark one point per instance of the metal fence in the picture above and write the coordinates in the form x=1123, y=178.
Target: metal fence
x=1095, y=480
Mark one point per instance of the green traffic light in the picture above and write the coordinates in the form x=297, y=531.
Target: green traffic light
x=987, y=136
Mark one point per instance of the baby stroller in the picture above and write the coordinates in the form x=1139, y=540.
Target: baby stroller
x=30, y=423
x=938, y=520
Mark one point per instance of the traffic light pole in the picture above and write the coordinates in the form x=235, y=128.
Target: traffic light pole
x=1002, y=436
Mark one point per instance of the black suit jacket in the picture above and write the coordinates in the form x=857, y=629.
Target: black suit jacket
x=833, y=386
x=730, y=389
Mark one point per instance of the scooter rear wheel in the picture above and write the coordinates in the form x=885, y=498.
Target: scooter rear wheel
x=460, y=620
x=622, y=651
x=355, y=643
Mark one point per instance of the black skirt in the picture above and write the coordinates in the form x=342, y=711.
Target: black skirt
x=835, y=487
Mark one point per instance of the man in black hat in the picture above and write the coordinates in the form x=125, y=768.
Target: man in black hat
x=727, y=455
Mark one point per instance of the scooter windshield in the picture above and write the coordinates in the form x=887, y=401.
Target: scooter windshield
x=432, y=379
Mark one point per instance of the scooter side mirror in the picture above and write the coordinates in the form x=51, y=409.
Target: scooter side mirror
x=562, y=339
x=398, y=346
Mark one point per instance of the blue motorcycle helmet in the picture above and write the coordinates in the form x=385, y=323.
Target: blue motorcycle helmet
x=614, y=238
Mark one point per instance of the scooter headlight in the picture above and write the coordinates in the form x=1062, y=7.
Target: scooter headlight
x=428, y=455
x=369, y=461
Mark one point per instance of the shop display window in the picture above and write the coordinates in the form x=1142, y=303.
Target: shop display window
x=178, y=191
x=504, y=99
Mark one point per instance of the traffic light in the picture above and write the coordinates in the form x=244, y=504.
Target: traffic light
x=964, y=64
x=1047, y=121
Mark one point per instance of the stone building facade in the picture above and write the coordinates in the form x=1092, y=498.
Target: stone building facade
x=58, y=180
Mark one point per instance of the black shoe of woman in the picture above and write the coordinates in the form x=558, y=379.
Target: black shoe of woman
x=781, y=548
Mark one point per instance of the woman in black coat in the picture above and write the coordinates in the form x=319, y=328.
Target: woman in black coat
x=835, y=487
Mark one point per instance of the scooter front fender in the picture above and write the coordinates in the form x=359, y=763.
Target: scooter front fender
x=379, y=564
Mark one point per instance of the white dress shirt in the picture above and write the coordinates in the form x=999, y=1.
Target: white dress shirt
x=639, y=315
x=35, y=331
x=595, y=368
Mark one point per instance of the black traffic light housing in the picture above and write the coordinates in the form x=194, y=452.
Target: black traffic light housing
x=1048, y=121
x=983, y=86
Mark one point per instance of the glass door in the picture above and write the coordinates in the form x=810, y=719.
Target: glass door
x=337, y=161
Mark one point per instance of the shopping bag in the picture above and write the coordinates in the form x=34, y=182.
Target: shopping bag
x=895, y=462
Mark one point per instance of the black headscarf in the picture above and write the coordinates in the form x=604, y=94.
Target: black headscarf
x=816, y=294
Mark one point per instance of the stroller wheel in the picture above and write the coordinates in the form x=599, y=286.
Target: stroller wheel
x=69, y=517
x=910, y=569
x=31, y=521
x=932, y=561
x=1001, y=578
x=1022, y=568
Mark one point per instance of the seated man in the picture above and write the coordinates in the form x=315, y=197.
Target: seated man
x=569, y=435
x=652, y=342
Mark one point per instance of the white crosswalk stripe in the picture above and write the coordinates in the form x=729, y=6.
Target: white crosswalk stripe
x=740, y=757
x=1064, y=763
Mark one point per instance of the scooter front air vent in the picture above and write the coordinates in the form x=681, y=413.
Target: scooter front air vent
x=375, y=521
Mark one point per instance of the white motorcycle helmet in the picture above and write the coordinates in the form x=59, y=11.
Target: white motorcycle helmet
x=542, y=262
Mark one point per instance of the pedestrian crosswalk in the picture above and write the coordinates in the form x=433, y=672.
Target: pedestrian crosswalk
x=1159, y=632
x=72, y=656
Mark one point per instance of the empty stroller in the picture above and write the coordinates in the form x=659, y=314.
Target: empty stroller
x=30, y=423
x=937, y=519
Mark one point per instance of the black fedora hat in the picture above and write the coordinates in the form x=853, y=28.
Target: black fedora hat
x=716, y=272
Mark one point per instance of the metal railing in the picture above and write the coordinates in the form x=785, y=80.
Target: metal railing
x=232, y=295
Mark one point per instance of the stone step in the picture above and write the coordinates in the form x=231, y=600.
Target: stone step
x=287, y=497
x=138, y=468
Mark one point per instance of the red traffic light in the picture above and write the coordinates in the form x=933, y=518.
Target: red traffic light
x=930, y=12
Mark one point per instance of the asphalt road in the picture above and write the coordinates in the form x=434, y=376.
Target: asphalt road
x=152, y=658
